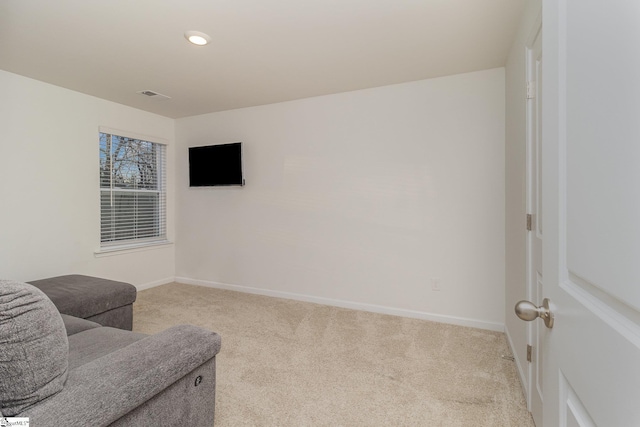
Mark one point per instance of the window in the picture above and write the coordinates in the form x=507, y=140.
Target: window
x=132, y=191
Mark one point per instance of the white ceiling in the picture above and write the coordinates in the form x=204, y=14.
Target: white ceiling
x=263, y=51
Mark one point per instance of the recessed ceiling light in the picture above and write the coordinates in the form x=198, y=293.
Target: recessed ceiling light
x=196, y=37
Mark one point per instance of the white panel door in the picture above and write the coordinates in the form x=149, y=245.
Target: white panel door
x=591, y=204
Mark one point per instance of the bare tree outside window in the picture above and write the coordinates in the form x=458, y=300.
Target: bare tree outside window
x=132, y=190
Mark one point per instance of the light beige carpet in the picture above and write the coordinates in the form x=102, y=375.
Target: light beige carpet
x=290, y=363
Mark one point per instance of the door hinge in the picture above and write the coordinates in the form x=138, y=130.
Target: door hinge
x=531, y=89
x=529, y=222
x=529, y=350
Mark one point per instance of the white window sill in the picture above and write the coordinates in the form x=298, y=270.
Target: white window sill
x=131, y=248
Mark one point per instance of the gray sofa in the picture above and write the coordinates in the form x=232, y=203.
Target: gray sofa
x=103, y=301
x=61, y=370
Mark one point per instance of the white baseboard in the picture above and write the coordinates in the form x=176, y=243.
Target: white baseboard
x=453, y=320
x=524, y=380
x=154, y=284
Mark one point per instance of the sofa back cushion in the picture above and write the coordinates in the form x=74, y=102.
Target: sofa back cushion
x=34, y=350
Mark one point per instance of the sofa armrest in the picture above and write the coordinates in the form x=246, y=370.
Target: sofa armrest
x=105, y=389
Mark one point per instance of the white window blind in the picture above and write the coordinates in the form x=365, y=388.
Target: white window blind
x=132, y=191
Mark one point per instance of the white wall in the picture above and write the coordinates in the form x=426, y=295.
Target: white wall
x=49, y=189
x=358, y=199
x=515, y=171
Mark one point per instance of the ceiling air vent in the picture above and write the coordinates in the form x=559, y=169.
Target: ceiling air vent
x=153, y=94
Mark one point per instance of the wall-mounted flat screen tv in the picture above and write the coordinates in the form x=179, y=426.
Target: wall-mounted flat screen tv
x=216, y=165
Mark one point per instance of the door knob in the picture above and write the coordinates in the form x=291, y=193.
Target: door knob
x=526, y=310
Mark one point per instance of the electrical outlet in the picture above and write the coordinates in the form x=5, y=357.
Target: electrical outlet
x=436, y=284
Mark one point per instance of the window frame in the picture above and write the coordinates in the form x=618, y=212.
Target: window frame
x=161, y=238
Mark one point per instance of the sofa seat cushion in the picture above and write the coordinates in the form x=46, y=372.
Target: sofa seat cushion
x=33, y=347
x=86, y=296
x=74, y=325
x=92, y=344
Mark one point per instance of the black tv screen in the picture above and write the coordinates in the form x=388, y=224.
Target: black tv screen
x=215, y=165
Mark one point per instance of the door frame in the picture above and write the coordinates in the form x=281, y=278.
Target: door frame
x=530, y=175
